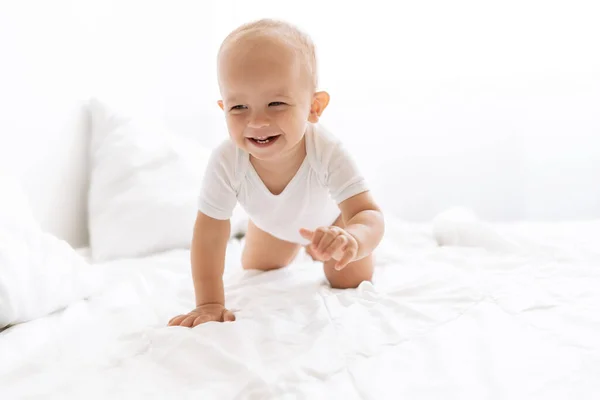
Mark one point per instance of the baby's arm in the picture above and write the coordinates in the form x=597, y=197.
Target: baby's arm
x=363, y=230
x=209, y=244
x=364, y=221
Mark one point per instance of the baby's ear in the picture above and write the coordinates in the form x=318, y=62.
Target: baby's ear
x=220, y=103
x=319, y=103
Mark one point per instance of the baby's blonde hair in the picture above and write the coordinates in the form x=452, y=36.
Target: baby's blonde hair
x=293, y=36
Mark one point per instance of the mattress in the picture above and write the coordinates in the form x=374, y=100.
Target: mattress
x=513, y=317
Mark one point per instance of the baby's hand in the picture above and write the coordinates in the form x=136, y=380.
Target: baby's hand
x=332, y=242
x=202, y=314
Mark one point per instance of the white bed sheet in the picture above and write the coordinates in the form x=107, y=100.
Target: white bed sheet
x=437, y=323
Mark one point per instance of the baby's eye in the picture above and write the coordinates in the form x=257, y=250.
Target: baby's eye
x=276, y=103
x=238, y=107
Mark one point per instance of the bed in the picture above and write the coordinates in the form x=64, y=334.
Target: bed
x=512, y=316
x=459, y=308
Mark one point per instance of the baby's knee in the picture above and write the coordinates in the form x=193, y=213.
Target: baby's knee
x=264, y=263
x=261, y=266
x=250, y=263
x=348, y=283
x=350, y=277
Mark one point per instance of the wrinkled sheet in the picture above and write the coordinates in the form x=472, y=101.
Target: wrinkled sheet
x=438, y=322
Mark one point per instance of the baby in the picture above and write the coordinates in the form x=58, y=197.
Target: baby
x=297, y=183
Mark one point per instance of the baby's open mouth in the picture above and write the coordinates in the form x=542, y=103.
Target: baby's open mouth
x=264, y=139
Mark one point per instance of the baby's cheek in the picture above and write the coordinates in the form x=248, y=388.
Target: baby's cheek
x=297, y=121
x=235, y=125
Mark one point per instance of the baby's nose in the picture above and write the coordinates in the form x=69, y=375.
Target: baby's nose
x=258, y=120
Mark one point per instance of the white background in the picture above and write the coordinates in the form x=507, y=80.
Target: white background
x=491, y=105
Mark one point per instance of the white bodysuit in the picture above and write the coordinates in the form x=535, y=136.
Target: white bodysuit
x=327, y=177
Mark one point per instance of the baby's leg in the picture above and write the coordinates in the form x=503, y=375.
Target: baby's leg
x=352, y=274
x=264, y=251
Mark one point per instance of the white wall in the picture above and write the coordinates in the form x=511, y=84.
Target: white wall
x=493, y=105
x=154, y=56
x=42, y=84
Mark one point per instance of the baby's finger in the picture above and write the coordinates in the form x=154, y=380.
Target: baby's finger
x=177, y=320
x=326, y=240
x=318, y=234
x=201, y=319
x=228, y=316
x=306, y=233
x=188, y=321
x=345, y=260
x=337, y=244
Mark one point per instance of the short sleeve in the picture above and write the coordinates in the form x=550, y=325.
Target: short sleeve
x=343, y=178
x=218, y=193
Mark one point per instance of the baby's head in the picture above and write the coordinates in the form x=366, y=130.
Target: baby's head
x=268, y=78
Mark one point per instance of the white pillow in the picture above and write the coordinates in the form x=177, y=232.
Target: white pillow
x=39, y=273
x=144, y=185
x=459, y=226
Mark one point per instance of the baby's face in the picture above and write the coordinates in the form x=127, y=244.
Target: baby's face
x=266, y=96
